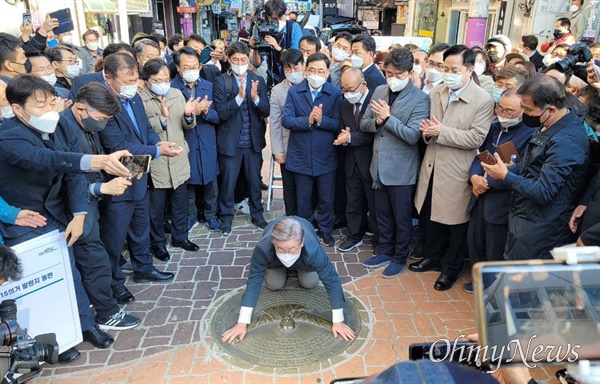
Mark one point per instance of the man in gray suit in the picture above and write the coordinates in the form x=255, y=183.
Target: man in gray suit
x=394, y=114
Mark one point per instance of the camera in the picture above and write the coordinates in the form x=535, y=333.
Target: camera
x=262, y=27
x=20, y=355
x=577, y=53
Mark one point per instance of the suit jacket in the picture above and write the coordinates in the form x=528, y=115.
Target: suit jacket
x=230, y=114
x=360, y=148
x=39, y=178
x=120, y=133
x=82, y=80
x=465, y=125
x=373, y=77
x=310, y=149
x=279, y=135
x=395, y=150
x=202, y=139
x=537, y=60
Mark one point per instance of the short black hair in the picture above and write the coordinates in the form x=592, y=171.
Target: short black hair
x=367, y=41
x=345, y=36
x=160, y=37
x=544, y=91
x=194, y=37
x=565, y=22
x=277, y=7
x=436, y=48
x=318, y=57
x=311, y=40
x=291, y=57
x=530, y=42
x=238, y=47
x=8, y=47
x=10, y=266
x=119, y=61
x=117, y=47
x=293, y=12
x=56, y=53
x=467, y=54
x=29, y=55
x=23, y=87
x=402, y=59
x=185, y=51
x=174, y=40
x=97, y=96
x=152, y=67
x=577, y=107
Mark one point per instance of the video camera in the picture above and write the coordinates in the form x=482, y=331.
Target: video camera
x=262, y=27
x=577, y=53
x=20, y=355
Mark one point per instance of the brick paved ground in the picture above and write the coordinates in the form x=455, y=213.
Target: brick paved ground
x=167, y=346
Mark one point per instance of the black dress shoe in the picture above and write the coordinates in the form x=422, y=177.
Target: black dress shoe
x=187, y=245
x=123, y=295
x=68, y=356
x=260, y=223
x=339, y=223
x=263, y=186
x=154, y=275
x=424, y=266
x=444, y=282
x=98, y=337
x=160, y=253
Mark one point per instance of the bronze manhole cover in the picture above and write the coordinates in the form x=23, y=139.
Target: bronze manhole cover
x=290, y=329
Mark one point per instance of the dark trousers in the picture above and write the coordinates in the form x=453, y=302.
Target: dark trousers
x=203, y=198
x=94, y=266
x=127, y=220
x=393, y=207
x=444, y=244
x=326, y=190
x=250, y=162
x=86, y=317
x=290, y=195
x=340, y=199
x=486, y=241
x=360, y=197
x=178, y=204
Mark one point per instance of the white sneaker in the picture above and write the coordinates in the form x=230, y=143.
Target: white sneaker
x=243, y=207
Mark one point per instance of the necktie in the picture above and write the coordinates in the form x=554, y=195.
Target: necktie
x=315, y=95
x=356, y=114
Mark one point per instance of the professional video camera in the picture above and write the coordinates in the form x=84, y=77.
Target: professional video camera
x=577, y=53
x=261, y=27
x=20, y=355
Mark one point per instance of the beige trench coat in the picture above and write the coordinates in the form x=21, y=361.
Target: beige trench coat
x=465, y=124
x=169, y=172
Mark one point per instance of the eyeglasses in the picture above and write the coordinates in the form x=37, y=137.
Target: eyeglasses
x=159, y=81
x=313, y=71
x=45, y=70
x=439, y=66
x=508, y=113
x=70, y=62
x=190, y=68
x=351, y=90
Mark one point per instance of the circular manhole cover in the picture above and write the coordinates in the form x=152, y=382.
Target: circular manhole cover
x=290, y=328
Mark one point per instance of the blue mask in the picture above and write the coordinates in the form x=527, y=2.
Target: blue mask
x=497, y=94
x=52, y=43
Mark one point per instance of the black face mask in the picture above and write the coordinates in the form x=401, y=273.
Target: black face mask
x=531, y=121
x=93, y=125
x=558, y=34
x=494, y=57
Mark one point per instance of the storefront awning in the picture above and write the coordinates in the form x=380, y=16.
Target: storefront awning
x=136, y=7
x=99, y=6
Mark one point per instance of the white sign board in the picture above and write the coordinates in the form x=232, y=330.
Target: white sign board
x=45, y=295
x=384, y=42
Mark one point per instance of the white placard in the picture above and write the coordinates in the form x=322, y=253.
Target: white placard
x=45, y=295
x=384, y=42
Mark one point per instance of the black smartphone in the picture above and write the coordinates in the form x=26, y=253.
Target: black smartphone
x=205, y=55
x=26, y=18
x=64, y=19
x=463, y=352
x=137, y=164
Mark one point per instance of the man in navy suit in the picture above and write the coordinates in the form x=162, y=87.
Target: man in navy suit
x=312, y=114
x=127, y=216
x=364, y=49
x=242, y=102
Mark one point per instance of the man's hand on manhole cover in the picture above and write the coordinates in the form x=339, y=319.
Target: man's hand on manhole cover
x=235, y=333
x=343, y=330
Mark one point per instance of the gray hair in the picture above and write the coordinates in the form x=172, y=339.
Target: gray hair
x=288, y=229
x=143, y=43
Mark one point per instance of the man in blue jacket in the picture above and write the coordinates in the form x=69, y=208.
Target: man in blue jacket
x=290, y=242
x=488, y=225
x=312, y=114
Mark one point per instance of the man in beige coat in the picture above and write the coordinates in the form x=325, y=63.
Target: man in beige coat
x=461, y=113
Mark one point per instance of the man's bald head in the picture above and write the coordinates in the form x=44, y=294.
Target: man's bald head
x=351, y=79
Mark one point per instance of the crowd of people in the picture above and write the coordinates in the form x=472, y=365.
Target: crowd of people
x=389, y=145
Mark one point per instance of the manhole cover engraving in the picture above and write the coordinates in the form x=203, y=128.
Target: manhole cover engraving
x=290, y=327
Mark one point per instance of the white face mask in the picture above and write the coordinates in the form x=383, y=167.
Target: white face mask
x=316, y=81
x=507, y=123
x=190, y=76
x=549, y=60
x=339, y=55
x=6, y=112
x=239, y=70
x=45, y=123
x=68, y=39
x=92, y=46
x=418, y=69
x=288, y=259
x=479, y=68
x=50, y=79
x=497, y=94
x=433, y=75
x=353, y=97
x=128, y=91
x=295, y=77
x=160, y=89
x=396, y=85
x=357, y=61
x=72, y=71
x=453, y=80
x=574, y=8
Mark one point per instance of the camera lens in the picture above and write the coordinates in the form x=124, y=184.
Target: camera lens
x=8, y=310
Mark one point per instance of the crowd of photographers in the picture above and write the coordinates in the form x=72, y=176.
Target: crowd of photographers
x=443, y=155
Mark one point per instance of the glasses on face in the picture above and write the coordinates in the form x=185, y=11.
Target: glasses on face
x=190, y=68
x=159, y=80
x=45, y=70
x=508, y=113
x=345, y=49
x=433, y=64
x=313, y=71
x=294, y=250
x=351, y=90
x=70, y=61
